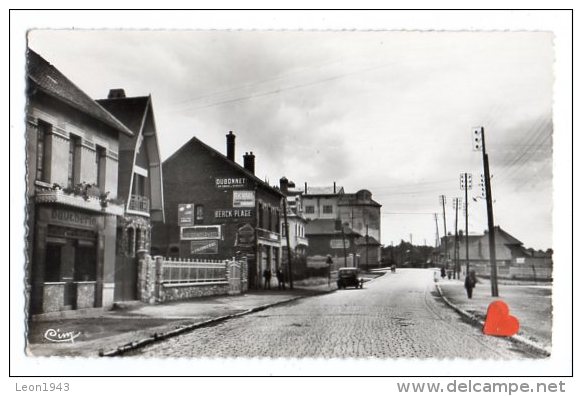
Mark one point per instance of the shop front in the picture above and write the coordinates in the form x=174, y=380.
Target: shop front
x=71, y=248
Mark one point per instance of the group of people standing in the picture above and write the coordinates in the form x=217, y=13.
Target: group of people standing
x=280, y=278
x=470, y=280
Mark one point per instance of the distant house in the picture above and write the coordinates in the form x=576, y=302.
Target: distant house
x=513, y=260
x=218, y=209
x=358, y=210
x=72, y=146
x=330, y=237
x=139, y=185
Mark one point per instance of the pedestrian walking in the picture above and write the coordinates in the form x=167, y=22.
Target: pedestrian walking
x=329, y=263
x=443, y=272
x=280, y=278
x=470, y=282
x=267, y=276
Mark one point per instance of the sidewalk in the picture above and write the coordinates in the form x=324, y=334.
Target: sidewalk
x=530, y=304
x=136, y=321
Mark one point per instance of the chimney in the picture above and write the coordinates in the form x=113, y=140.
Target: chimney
x=284, y=185
x=230, y=146
x=249, y=162
x=305, y=187
x=116, y=93
x=334, y=187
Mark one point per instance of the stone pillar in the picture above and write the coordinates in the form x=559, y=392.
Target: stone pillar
x=158, y=278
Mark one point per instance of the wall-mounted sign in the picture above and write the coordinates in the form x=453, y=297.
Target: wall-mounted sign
x=185, y=215
x=243, y=199
x=339, y=244
x=200, y=232
x=230, y=182
x=233, y=213
x=245, y=236
x=204, y=247
x=76, y=218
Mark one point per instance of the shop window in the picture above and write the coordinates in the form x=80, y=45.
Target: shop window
x=43, y=151
x=309, y=209
x=199, y=214
x=327, y=209
x=85, y=265
x=52, y=264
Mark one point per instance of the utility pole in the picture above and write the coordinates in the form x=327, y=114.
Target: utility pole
x=438, y=239
x=443, y=201
x=456, y=248
x=479, y=144
x=466, y=184
x=289, y=265
x=344, y=241
x=367, y=239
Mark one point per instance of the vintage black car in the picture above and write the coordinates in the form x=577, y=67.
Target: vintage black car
x=348, y=277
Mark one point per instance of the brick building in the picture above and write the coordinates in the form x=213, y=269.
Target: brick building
x=139, y=185
x=217, y=209
x=72, y=147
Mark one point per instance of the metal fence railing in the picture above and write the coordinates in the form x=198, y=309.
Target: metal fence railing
x=193, y=271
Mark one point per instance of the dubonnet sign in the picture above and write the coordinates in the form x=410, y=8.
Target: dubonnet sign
x=230, y=182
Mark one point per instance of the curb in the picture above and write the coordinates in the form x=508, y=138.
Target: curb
x=171, y=333
x=479, y=323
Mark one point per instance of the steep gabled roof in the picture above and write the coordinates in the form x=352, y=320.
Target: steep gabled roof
x=222, y=157
x=50, y=80
x=130, y=111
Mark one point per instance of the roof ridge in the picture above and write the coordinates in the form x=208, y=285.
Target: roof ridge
x=224, y=158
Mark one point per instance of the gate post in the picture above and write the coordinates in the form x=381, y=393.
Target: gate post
x=158, y=273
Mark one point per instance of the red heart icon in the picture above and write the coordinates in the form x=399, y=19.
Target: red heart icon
x=499, y=322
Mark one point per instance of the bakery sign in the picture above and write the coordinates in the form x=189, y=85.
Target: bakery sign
x=204, y=247
x=243, y=199
x=230, y=182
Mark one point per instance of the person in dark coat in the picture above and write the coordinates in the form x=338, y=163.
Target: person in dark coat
x=470, y=282
x=443, y=272
x=280, y=278
x=267, y=276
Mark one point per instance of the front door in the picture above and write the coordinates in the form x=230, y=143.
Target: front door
x=125, y=278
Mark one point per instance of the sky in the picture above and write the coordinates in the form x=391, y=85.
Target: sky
x=388, y=111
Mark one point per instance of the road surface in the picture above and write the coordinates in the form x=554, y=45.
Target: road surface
x=396, y=315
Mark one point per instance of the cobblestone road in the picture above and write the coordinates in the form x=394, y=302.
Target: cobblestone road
x=397, y=315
